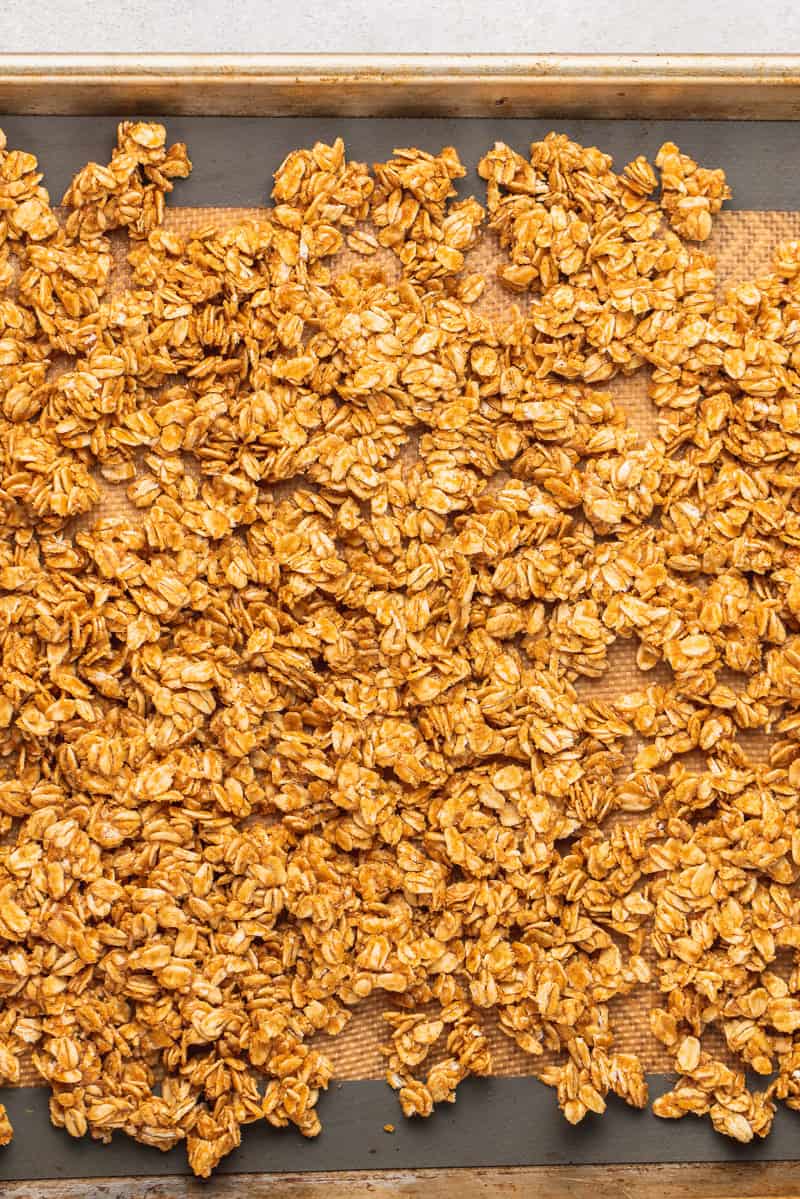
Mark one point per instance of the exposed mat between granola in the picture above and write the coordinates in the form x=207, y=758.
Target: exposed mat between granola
x=399, y=626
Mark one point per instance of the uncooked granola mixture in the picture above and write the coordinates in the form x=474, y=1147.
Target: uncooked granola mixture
x=309, y=713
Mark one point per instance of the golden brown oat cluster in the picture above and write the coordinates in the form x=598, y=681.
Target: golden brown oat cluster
x=313, y=719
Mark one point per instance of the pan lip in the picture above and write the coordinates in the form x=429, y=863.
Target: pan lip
x=638, y=86
x=758, y=69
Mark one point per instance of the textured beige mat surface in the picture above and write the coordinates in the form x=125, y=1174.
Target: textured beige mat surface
x=744, y=244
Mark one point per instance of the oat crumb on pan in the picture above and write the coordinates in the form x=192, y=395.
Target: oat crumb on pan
x=307, y=714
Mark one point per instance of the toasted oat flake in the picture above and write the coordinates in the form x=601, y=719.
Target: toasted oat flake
x=312, y=715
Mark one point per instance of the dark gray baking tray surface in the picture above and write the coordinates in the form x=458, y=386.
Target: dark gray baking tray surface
x=499, y=1121
x=234, y=157
x=494, y=1122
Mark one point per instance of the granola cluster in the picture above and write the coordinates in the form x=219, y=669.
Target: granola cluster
x=311, y=717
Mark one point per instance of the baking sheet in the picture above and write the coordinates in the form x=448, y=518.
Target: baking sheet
x=500, y=1121
x=494, y=1122
x=234, y=157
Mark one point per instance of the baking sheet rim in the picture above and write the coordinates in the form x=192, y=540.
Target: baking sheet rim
x=766, y=86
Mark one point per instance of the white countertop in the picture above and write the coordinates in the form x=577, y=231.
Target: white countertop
x=400, y=26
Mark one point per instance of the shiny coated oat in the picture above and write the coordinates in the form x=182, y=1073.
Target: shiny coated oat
x=314, y=719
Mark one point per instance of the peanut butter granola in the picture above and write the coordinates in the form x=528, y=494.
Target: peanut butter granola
x=311, y=716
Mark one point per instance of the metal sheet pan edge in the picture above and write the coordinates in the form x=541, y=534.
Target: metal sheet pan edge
x=632, y=86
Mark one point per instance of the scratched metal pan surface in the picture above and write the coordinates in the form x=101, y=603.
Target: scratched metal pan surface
x=239, y=117
x=741, y=87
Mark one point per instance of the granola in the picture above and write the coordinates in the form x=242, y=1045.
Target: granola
x=310, y=717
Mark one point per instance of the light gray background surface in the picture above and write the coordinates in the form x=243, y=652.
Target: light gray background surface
x=401, y=26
